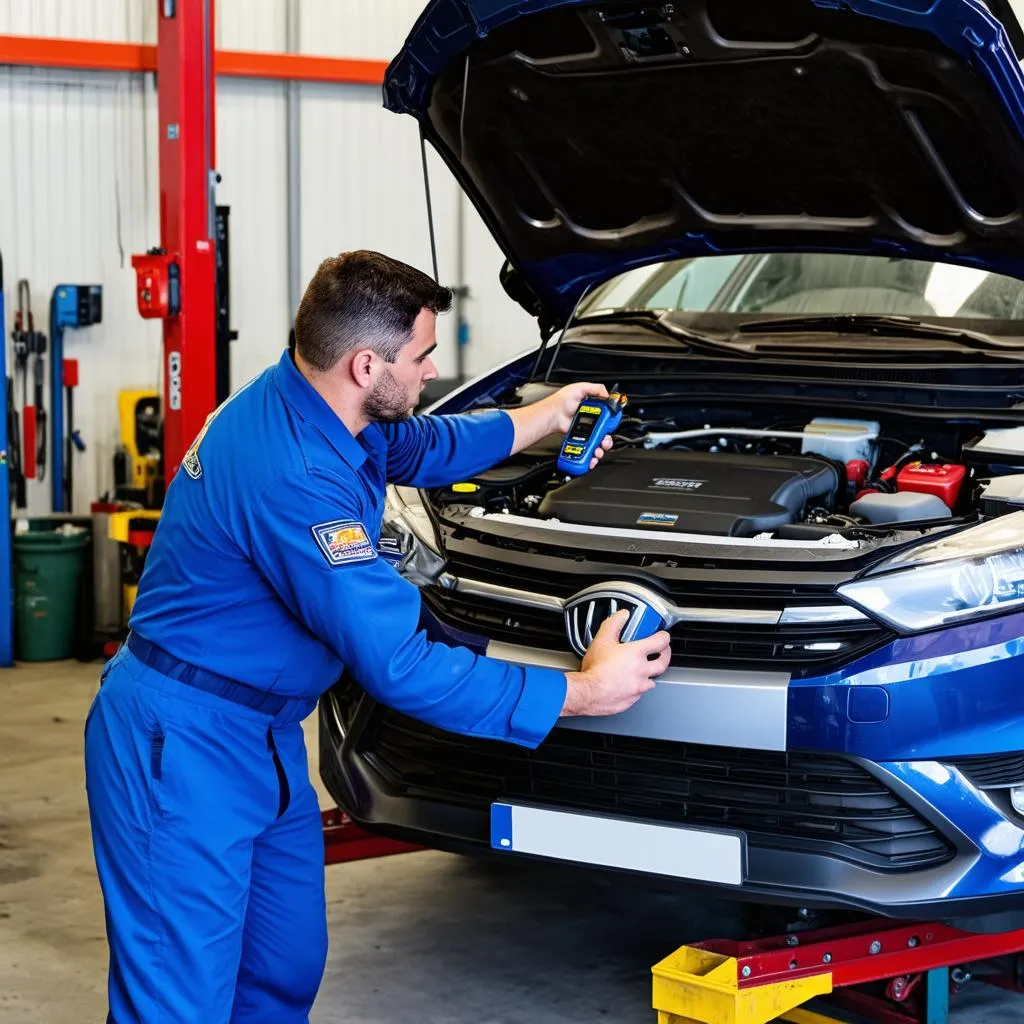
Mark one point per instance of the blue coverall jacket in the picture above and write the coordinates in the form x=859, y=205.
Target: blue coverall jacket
x=264, y=571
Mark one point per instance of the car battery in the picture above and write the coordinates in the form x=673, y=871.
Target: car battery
x=944, y=480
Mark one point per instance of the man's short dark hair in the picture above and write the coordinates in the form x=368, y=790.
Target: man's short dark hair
x=363, y=300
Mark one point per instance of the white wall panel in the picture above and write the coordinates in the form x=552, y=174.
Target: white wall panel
x=362, y=188
x=251, y=159
x=499, y=327
x=356, y=28
x=240, y=24
x=251, y=25
x=373, y=29
x=113, y=20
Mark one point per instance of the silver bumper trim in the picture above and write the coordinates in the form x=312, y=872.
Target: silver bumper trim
x=818, y=614
x=722, y=709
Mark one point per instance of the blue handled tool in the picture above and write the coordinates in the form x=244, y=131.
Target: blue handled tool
x=72, y=306
x=593, y=421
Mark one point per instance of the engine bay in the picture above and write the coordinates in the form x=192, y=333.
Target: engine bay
x=823, y=481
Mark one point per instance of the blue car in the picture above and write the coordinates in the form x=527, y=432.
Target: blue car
x=792, y=232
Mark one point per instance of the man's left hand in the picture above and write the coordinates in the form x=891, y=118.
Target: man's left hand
x=553, y=415
x=566, y=401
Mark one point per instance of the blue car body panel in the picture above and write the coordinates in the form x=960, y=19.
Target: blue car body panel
x=951, y=693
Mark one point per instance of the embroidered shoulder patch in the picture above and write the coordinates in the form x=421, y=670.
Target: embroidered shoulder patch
x=344, y=541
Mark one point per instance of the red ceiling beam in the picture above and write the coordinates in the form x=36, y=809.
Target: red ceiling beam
x=42, y=52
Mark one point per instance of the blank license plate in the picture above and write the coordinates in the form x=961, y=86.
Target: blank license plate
x=617, y=843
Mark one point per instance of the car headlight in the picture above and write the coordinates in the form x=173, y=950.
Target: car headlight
x=407, y=537
x=976, y=572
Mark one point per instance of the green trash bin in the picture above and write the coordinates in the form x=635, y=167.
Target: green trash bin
x=47, y=572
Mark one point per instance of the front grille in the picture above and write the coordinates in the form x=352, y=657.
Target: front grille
x=993, y=771
x=799, y=649
x=509, y=566
x=795, y=801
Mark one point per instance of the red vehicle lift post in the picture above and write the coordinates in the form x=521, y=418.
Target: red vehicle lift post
x=177, y=281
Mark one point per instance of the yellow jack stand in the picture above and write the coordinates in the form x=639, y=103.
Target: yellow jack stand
x=754, y=981
x=697, y=986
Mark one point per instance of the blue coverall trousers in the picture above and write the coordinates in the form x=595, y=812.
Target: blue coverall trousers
x=209, y=852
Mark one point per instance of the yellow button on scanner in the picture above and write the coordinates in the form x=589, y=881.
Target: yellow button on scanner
x=572, y=450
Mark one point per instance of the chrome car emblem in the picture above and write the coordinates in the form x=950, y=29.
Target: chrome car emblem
x=585, y=611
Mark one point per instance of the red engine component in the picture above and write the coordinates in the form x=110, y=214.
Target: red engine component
x=857, y=473
x=941, y=479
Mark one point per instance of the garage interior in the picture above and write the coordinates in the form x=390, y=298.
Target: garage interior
x=115, y=114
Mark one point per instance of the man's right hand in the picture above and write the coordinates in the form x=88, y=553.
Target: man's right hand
x=615, y=675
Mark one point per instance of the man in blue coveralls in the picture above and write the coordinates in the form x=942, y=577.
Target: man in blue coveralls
x=262, y=583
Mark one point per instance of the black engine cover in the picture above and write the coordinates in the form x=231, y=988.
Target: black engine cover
x=694, y=492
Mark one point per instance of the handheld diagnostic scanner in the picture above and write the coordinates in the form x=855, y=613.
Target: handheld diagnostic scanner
x=593, y=421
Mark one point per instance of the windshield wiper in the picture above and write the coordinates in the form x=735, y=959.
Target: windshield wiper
x=888, y=326
x=654, y=321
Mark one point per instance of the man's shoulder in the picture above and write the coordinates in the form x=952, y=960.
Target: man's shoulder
x=249, y=436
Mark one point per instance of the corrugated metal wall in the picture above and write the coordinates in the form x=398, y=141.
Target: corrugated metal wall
x=78, y=192
x=77, y=197
x=115, y=20
x=343, y=28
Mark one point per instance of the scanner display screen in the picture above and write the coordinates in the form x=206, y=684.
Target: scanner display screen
x=583, y=426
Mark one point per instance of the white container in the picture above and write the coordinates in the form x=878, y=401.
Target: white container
x=841, y=439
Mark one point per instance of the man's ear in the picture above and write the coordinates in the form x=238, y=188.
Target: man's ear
x=361, y=367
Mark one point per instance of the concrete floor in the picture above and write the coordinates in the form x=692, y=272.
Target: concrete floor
x=423, y=938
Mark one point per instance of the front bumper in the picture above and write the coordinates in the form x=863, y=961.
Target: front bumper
x=956, y=696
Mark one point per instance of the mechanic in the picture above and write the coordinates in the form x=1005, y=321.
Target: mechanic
x=262, y=585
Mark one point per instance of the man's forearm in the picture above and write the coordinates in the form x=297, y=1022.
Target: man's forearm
x=576, y=684
x=533, y=423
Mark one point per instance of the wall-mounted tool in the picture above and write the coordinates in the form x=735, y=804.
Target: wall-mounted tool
x=29, y=349
x=71, y=306
x=23, y=324
x=6, y=543
x=16, y=476
x=38, y=420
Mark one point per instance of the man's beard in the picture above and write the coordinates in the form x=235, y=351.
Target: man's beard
x=387, y=401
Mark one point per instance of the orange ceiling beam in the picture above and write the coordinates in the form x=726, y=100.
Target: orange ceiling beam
x=41, y=52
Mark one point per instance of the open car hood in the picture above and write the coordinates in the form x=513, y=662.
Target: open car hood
x=594, y=137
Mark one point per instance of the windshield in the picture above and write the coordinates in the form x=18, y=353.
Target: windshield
x=812, y=284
